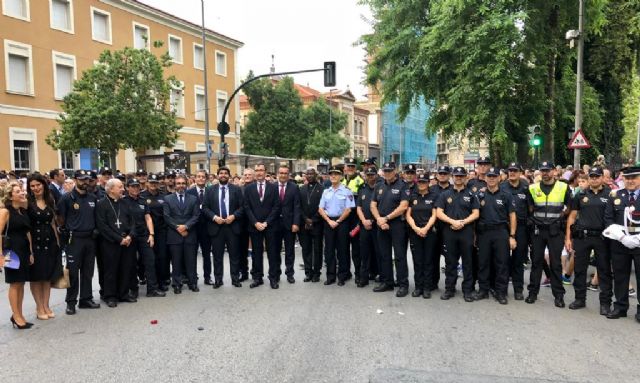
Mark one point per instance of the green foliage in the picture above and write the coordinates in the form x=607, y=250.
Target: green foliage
x=326, y=141
x=120, y=103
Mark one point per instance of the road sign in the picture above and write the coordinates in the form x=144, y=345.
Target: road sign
x=579, y=141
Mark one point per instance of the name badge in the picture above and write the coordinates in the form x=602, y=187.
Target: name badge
x=395, y=191
x=466, y=199
x=92, y=204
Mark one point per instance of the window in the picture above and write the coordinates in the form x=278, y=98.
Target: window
x=66, y=160
x=64, y=74
x=198, y=56
x=22, y=155
x=176, y=99
x=19, y=71
x=141, y=36
x=61, y=15
x=23, y=147
x=200, y=107
x=221, y=63
x=175, y=49
x=16, y=8
x=221, y=101
x=100, y=25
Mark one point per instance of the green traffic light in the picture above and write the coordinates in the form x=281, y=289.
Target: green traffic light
x=536, y=142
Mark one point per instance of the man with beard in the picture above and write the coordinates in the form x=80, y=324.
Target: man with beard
x=311, y=226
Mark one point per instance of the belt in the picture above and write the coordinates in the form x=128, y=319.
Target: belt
x=82, y=234
x=541, y=214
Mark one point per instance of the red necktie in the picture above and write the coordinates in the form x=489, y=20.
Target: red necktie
x=260, y=189
x=281, y=193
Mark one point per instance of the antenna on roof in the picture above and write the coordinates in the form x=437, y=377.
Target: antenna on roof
x=273, y=64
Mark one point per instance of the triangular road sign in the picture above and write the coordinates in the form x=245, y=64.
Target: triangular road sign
x=579, y=141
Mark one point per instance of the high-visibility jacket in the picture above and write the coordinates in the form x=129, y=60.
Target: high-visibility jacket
x=548, y=208
x=353, y=184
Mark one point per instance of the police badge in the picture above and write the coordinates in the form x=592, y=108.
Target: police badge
x=585, y=199
x=482, y=203
x=76, y=206
x=415, y=201
x=616, y=201
x=149, y=202
x=449, y=200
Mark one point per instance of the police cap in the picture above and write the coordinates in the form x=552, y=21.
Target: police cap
x=410, y=168
x=485, y=160
x=350, y=161
x=423, y=178
x=133, y=182
x=153, y=178
x=514, y=166
x=459, y=171
x=444, y=169
x=81, y=174
x=546, y=165
x=372, y=171
x=141, y=172
x=596, y=171
x=493, y=172
x=105, y=170
x=388, y=166
x=335, y=170
x=369, y=161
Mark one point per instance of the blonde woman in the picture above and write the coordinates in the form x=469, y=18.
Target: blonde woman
x=15, y=222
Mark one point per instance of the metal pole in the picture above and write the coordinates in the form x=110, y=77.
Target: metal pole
x=638, y=139
x=206, y=93
x=580, y=79
x=330, y=109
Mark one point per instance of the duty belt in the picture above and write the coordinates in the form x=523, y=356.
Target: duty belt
x=540, y=214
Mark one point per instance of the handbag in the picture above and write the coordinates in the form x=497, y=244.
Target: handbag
x=62, y=282
x=11, y=259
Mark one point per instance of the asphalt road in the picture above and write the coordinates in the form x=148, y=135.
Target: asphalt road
x=308, y=332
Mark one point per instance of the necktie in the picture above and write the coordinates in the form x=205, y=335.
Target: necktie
x=201, y=196
x=281, y=192
x=260, y=189
x=632, y=197
x=181, y=201
x=223, y=205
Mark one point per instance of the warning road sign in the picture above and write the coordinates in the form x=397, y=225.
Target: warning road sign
x=579, y=141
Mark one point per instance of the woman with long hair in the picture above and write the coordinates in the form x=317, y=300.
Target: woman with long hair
x=15, y=222
x=47, y=262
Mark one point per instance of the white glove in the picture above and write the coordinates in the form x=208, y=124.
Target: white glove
x=631, y=241
x=615, y=232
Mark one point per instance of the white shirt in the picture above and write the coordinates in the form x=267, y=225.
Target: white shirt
x=260, y=184
x=226, y=199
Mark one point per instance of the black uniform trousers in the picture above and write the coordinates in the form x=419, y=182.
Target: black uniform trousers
x=283, y=233
x=336, y=247
x=100, y=266
x=162, y=259
x=204, y=243
x=81, y=261
x=555, y=243
x=458, y=244
x=243, y=248
x=225, y=237
x=118, y=263
x=369, y=257
x=519, y=256
x=423, y=250
x=582, y=248
x=183, y=254
x=493, y=248
x=395, y=238
x=146, y=254
x=439, y=251
x=311, y=243
x=258, y=241
x=355, y=255
x=621, y=259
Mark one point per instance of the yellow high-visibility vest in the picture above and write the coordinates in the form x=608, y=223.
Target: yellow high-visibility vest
x=548, y=209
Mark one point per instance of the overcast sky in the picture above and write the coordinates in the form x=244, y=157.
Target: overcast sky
x=302, y=34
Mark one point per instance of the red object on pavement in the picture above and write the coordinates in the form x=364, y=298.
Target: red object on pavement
x=155, y=321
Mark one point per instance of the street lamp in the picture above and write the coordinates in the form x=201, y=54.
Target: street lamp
x=206, y=92
x=573, y=35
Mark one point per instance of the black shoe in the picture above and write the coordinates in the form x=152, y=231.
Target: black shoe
x=382, y=287
x=24, y=326
x=447, y=295
x=128, y=299
x=163, y=288
x=274, y=284
x=469, y=297
x=617, y=313
x=605, y=310
x=402, y=292
x=156, y=293
x=363, y=283
x=177, y=290
x=315, y=279
x=218, y=284
x=291, y=279
x=638, y=317
x=89, y=304
x=480, y=295
x=577, y=304
x=256, y=283
x=236, y=283
x=426, y=294
x=531, y=298
x=306, y=279
x=244, y=277
x=417, y=292
x=112, y=304
x=195, y=289
x=559, y=301
x=518, y=296
x=340, y=282
x=208, y=282
x=357, y=281
x=71, y=309
x=329, y=282
x=142, y=282
x=502, y=299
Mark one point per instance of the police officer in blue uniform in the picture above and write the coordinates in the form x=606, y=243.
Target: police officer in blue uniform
x=368, y=229
x=443, y=178
x=155, y=200
x=335, y=206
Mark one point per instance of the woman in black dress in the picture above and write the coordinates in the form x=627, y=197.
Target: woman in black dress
x=47, y=262
x=13, y=214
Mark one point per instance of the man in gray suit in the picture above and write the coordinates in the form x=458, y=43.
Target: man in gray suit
x=181, y=212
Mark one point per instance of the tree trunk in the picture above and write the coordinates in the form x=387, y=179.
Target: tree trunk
x=522, y=153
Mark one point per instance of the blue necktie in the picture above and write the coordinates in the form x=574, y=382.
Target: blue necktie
x=223, y=205
x=181, y=201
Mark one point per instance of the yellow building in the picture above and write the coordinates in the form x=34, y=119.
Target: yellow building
x=46, y=44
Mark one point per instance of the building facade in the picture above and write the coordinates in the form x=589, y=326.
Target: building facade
x=460, y=150
x=47, y=44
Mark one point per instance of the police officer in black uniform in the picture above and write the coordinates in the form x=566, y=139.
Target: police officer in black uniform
x=584, y=234
x=368, y=229
x=479, y=182
x=141, y=175
x=458, y=208
x=76, y=212
x=518, y=188
x=443, y=177
x=496, y=231
x=409, y=177
x=311, y=225
x=155, y=200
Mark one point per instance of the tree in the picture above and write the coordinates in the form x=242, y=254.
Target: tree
x=120, y=103
x=326, y=141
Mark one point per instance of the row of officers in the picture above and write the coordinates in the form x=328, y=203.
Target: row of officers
x=488, y=227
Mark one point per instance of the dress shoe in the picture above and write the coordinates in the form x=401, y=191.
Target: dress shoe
x=236, y=283
x=291, y=279
x=577, y=304
x=447, y=295
x=163, y=288
x=88, y=304
x=363, y=283
x=372, y=277
x=426, y=294
x=134, y=293
x=518, y=296
x=218, y=284
x=559, y=301
x=195, y=289
x=315, y=279
x=382, y=287
x=112, y=304
x=417, y=292
x=638, y=317
x=340, y=282
x=617, y=313
x=177, y=290
x=128, y=299
x=24, y=326
x=402, y=292
x=244, y=277
x=469, y=297
x=329, y=282
x=156, y=293
x=208, y=282
x=502, y=299
x=306, y=279
x=256, y=283
x=482, y=294
x=605, y=309
x=274, y=284
x=356, y=281
x=531, y=298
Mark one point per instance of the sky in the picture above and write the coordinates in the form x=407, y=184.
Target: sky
x=301, y=34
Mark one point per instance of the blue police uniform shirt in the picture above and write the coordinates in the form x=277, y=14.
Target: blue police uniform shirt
x=78, y=211
x=334, y=201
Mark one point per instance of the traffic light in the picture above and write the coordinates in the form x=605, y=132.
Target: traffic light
x=329, y=73
x=535, y=138
x=536, y=141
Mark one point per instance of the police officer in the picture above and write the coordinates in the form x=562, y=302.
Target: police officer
x=496, y=234
x=311, y=225
x=335, y=206
x=155, y=200
x=458, y=208
x=443, y=176
x=92, y=186
x=141, y=175
x=584, y=234
x=368, y=231
x=390, y=201
x=143, y=234
x=409, y=177
x=105, y=175
x=548, y=201
x=518, y=188
x=623, y=209
x=421, y=219
x=170, y=182
x=353, y=182
x=76, y=214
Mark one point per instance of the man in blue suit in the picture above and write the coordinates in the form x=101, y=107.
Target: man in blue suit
x=262, y=210
x=181, y=212
x=204, y=240
x=288, y=224
x=222, y=211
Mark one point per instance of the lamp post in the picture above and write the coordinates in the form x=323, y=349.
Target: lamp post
x=580, y=79
x=206, y=92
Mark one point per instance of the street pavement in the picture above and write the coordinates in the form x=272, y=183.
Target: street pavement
x=307, y=332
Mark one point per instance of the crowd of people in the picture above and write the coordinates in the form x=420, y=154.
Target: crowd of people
x=487, y=223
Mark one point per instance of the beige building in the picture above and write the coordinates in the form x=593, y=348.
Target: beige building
x=374, y=122
x=460, y=151
x=46, y=44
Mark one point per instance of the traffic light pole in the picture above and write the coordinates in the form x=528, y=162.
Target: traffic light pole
x=580, y=79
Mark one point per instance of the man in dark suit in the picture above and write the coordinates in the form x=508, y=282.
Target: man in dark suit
x=288, y=224
x=262, y=210
x=204, y=241
x=181, y=212
x=57, y=178
x=222, y=209
x=311, y=225
x=244, y=250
